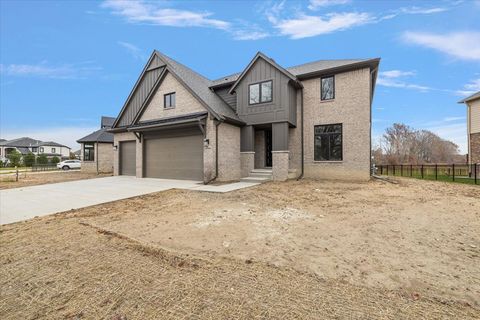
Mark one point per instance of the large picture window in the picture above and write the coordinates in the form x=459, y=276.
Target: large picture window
x=260, y=92
x=169, y=100
x=328, y=143
x=88, y=152
x=327, y=89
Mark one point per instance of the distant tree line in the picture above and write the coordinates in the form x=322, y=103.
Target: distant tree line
x=401, y=144
x=15, y=159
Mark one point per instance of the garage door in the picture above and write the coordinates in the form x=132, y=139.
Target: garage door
x=127, y=158
x=174, y=157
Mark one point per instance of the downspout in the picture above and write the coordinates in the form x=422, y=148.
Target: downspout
x=96, y=156
x=301, y=129
x=217, y=123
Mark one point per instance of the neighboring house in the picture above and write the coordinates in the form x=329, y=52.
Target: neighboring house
x=96, y=150
x=311, y=120
x=25, y=145
x=473, y=127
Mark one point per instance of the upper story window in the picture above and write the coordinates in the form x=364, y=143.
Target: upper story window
x=34, y=149
x=169, y=100
x=88, y=152
x=260, y=92
x=328, y=143
x=53, y=150
x=41, y=149
x=327, y=88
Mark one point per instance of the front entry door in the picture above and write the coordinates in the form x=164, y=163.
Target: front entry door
x=268, y=148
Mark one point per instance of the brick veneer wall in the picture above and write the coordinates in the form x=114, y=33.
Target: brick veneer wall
x=475, y=148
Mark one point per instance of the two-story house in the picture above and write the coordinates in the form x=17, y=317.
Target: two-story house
x=27, y=145
x=473, y=127
x=311, y=120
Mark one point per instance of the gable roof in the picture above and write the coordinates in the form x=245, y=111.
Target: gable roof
x=101, y=135
x=196, y=84
x=260, y=55
x=471, y=98
x=306, y=69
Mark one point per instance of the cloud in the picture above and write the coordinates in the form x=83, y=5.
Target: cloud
x=419, y=10
x=460, y=45
x=44, y=70
x=304, y=26
x=152, y=13
x=63, y=135
x=449, y=119
x=316, y=4
x=397, y=73
x=470, y=88
x=133, y=50
x=394, y=79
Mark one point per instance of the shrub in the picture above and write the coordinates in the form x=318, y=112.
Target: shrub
x=29, y=159
x=54, y=160
x=15, y=158
x=42, y=159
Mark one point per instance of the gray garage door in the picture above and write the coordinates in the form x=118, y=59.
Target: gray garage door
x=179, y=157
x=127, y=158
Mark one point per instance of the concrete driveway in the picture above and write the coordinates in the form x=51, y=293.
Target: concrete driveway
x=27, y=202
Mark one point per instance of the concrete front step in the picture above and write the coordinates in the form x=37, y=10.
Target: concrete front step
x=256, y=179
x=260, y=174
x=264, y=170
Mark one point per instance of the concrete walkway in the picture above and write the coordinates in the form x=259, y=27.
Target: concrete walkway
x=27, y=202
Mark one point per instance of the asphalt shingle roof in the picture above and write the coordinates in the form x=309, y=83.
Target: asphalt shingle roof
x=299, y=70
x=21, y=142
x=470, y=98
x=98, y=136
x=107, y=122
x=201, y=86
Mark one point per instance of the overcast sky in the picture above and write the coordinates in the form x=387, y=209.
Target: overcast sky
x=66, y=63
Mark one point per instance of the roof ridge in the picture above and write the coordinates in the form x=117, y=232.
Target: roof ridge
x=182, y=65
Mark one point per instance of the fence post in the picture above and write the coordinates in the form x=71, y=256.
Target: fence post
x=436, y=171
x=421, y=170
x=475, y=168
x=453, y=171
x=387, y=169
x=394, y=170
x=411, y=170
x=16, y=173
x=401, y=170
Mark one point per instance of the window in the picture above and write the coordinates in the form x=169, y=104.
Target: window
x=88, y=152
x=34, y=149
x=169, y=100
x=260, y=92
x=328, y=143
x=327, y=90
x=53, y=150
x=41, y=149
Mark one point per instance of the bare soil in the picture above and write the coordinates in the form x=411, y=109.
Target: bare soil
x=26, y=179
x=280, y=250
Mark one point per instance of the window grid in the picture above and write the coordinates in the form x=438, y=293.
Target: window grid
x=260, y=87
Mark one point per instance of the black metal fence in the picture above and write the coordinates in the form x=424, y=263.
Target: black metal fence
x=44, y=167
x=462, y=173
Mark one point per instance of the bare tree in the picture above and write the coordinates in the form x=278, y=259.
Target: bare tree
x=403, y=144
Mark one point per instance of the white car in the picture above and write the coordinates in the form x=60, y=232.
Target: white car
x=69, y=164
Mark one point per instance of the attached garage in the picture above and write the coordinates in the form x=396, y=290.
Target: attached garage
x=175, y=154
x=128, y=158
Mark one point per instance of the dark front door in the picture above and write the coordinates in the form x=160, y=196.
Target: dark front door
x=268, y=148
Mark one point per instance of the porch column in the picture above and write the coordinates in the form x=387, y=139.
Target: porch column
x=247, y=153
x=280, y=153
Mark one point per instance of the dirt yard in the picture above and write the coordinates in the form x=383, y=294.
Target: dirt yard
x=7, y=181
x=280, y=250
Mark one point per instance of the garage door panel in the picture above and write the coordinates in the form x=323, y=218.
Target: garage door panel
x=128, y=158
x=174, y=157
